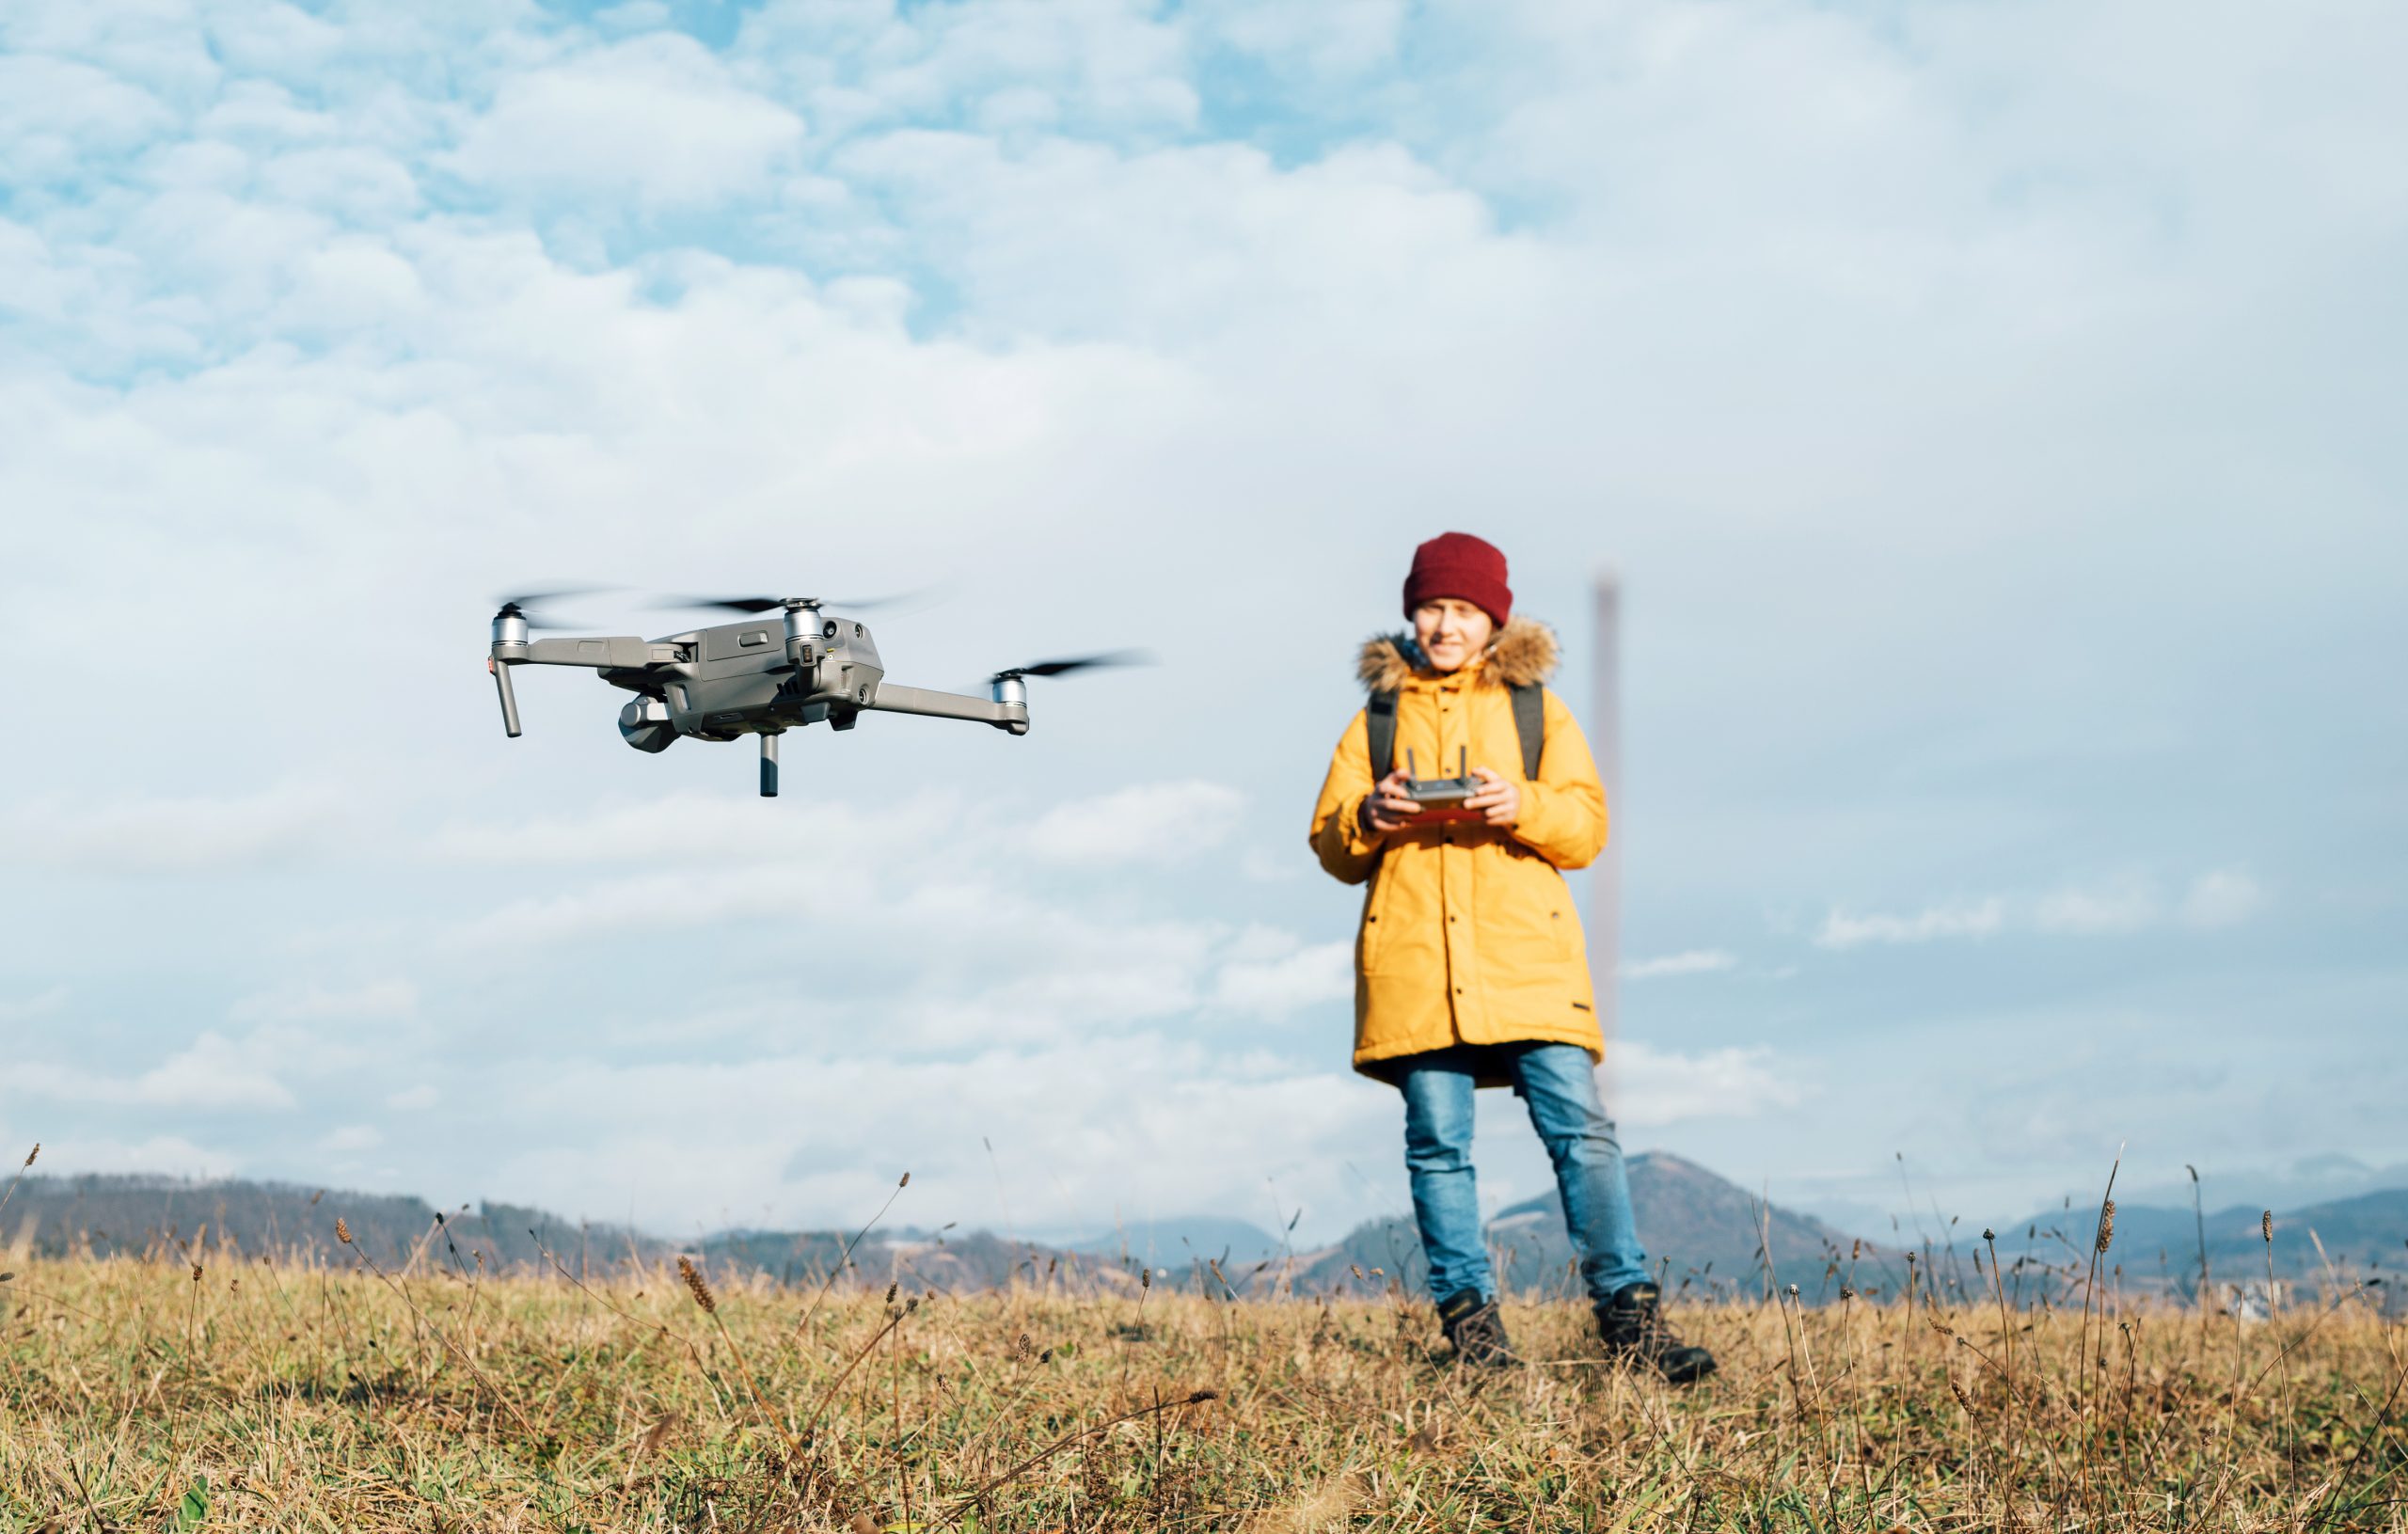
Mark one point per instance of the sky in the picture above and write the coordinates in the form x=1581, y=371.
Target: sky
x=1992, y=412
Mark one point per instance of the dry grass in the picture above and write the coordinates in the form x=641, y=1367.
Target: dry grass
x=148, y=1396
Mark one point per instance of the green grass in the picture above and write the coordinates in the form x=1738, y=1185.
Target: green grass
x=259, y=1395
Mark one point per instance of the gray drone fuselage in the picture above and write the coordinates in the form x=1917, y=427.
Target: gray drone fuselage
x=762, y=676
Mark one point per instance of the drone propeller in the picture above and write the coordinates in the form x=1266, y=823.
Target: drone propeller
x=1063, y=668
x=771, y=604
x=524, y=606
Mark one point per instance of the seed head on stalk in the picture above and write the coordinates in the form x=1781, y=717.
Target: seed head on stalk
x=701, y=1290
x=697, y=1286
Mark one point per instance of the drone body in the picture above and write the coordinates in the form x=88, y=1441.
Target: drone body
x=788, y=665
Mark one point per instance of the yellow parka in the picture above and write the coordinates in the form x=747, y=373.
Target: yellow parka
x=1468, y=933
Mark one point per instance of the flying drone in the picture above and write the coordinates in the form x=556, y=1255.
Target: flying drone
x=790, y=661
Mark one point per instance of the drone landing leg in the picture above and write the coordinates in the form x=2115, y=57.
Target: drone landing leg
x=509, y=700
x=769, y=765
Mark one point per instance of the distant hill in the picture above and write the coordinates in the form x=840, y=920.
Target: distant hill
x=137, y=1214
x=1703, y=1233
x=2363, y=1237
x=167, y=1218
x=1176, y=1243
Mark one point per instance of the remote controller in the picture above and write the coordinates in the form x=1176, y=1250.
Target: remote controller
x=1442, y=798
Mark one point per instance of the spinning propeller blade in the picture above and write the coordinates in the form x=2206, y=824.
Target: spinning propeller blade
x=1063, y=668
x=725, y=604
x=771, y=604
x=524, y=604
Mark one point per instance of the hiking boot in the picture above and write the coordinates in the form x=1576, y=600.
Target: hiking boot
x=1632, y=1323
x=1478, y=1332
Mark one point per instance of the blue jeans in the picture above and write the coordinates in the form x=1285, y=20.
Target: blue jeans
x=1559, y=1086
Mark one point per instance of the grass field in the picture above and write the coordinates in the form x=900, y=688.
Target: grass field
x=323, y=1395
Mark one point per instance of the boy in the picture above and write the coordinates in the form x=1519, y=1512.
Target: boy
x=1470, y=969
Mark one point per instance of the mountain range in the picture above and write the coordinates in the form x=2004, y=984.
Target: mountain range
x=2338, y=1241
x=1705, y=1235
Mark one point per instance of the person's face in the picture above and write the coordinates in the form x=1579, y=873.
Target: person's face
x=1450, y=631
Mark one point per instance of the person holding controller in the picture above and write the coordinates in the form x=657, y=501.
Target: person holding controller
x=1470, y=967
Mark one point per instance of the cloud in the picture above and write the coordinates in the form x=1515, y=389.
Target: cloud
x=685, y=827
x=2120, y=907
x=352, y=1138
x=2127, y=906
x=772, y=1139
x=56, y=114
x=212, y=1073
x=2222, y=898
x=412, y=1098
x=171, y=1154
x=376, y=998
x=1979, y=919
x=1692, y=961
x=1151, y=824
x=1278, y=986
x=657, y=120
x=171, y=835
x=1658, y=1087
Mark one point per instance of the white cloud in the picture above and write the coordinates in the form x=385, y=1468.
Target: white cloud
x=2221, y=898
x=1108, y=67
x=684, y=826
x=2126, y=906
x=809, y=1140
x=171, y=1154
x=1278, y=986
x=412, y=1098
x=1151, y=824
x=170, y=834
x=1330, y=39
x=1656, y=1087
x=57, y=113
x=211, y=1073
x=1977, y=919
x=352, y=1138
x=1690, y=961
x=2115, y=907
x=657, y=119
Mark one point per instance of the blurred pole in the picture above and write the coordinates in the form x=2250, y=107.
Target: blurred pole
x=1605, y=742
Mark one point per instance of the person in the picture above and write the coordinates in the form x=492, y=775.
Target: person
x=1470, y=964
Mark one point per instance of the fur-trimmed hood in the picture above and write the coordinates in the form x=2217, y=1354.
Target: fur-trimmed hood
x=1524, y=651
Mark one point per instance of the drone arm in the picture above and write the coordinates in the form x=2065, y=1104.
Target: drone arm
x=618, y=650
x=892, y=698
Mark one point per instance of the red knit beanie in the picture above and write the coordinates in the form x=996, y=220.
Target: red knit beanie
x=1458, y=565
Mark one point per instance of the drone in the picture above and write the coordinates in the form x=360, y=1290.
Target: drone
x=789, y=662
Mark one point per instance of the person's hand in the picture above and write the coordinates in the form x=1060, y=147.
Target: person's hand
x=1387, y=806
x=1499, y=799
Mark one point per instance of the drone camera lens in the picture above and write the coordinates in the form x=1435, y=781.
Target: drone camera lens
x=644, y=723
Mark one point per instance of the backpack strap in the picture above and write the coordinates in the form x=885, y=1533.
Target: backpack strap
x=1529, y=722
x=1379, y=722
